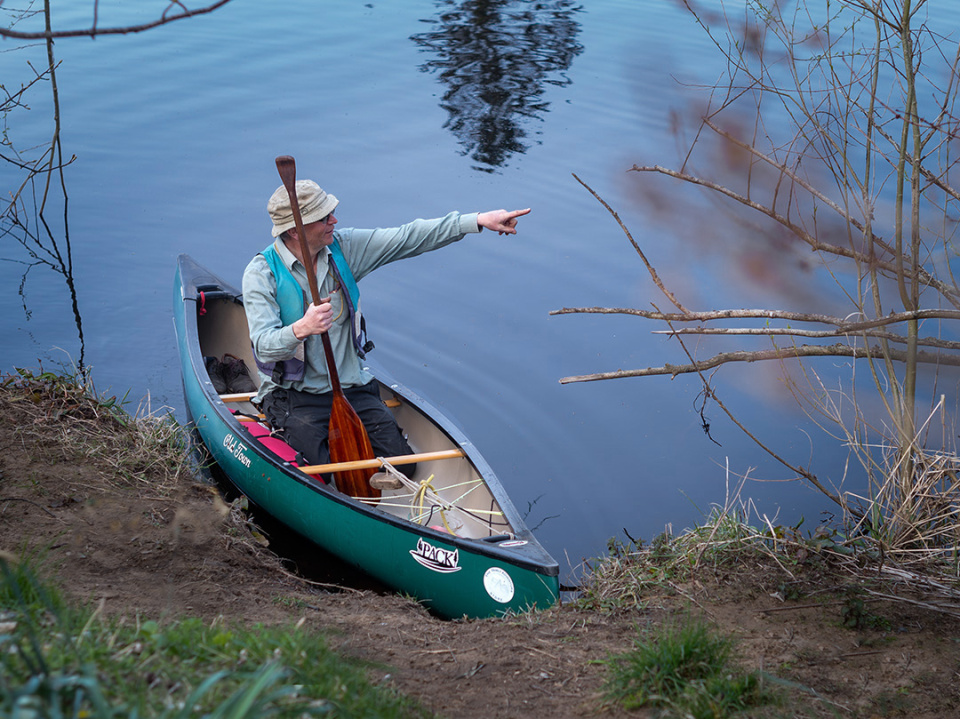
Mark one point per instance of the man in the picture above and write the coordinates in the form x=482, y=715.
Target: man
x=295, y=391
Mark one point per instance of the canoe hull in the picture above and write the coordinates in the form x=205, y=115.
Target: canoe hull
x=452, y=576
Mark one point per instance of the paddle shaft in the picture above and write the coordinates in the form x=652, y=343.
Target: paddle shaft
x=287, y=168
x=347, y=437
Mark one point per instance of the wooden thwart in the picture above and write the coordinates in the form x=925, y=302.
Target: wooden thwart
x=238, y=397
x=375, y=463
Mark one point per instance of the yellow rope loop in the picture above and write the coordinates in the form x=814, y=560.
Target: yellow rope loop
x=420, y=497
x=421, y=494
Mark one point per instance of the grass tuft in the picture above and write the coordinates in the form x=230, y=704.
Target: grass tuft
x=633, y=573
x=684, y=670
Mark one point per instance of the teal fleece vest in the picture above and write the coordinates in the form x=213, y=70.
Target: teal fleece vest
x=293, y=303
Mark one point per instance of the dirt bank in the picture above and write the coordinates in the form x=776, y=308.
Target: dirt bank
x=127, y=539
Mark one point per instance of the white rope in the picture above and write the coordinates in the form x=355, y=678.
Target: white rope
x=430, y=500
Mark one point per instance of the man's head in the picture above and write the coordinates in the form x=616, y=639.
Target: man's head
x=315, y=204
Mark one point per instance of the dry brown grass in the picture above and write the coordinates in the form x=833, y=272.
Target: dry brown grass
x=635, y=576
x=916, y=522
x=66, y=417
x=907, y=509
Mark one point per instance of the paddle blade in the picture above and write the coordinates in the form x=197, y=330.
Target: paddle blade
x=349, y=441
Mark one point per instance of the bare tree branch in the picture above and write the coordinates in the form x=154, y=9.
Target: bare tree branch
x=936, y=342
x=835, y=350
x=844, y=325
x=94, y=31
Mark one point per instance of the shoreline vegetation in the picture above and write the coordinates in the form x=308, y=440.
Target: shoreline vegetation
x=61, y=657
x=705, y=623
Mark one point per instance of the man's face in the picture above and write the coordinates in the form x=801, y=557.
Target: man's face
x=320, y=233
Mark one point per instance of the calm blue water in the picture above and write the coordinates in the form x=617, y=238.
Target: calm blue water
x=407, y=109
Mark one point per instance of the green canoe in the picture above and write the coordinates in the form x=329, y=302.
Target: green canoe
x=449, y=537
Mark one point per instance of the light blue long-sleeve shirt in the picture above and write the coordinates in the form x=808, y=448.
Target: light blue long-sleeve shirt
x=365, y=251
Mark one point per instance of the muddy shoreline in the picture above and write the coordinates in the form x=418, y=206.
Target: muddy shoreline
x=136, y=545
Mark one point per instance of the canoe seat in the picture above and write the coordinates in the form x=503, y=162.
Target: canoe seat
x=274, y=444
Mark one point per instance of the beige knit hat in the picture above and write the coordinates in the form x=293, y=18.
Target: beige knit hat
x=315, y=204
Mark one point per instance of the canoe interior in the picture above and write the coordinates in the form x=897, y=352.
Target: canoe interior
x=466, y=507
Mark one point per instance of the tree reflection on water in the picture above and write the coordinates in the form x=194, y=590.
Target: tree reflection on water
x=495, y=57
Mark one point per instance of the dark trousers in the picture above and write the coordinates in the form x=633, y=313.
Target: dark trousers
x=304, y=421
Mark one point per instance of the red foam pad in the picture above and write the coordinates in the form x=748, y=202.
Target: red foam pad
x=274, y=444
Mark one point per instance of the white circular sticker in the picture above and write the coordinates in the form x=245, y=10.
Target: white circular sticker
x=498, y=584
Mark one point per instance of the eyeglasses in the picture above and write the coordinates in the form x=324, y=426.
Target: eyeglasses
x=326, y=218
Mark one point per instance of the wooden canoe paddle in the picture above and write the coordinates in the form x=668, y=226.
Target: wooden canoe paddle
x=348, y=438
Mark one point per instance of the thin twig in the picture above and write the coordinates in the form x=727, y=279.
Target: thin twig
x=95, y=31
x=653, y=273
x=28, y=501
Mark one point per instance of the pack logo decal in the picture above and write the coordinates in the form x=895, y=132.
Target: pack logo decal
x=436, y=559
